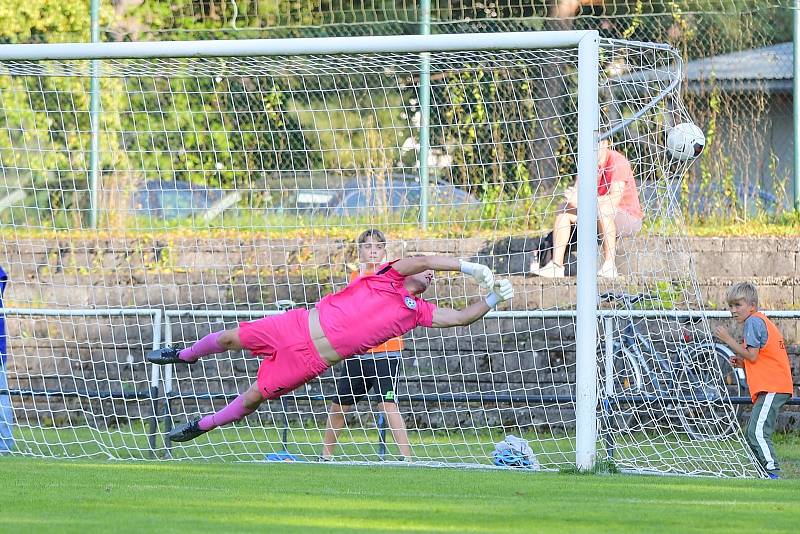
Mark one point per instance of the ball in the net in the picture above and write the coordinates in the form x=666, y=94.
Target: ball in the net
x=685, y=141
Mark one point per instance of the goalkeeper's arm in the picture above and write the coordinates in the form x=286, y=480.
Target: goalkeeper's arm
x=482, y=274
x=446, y=317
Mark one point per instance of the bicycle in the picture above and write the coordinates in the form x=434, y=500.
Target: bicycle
x=689, y=381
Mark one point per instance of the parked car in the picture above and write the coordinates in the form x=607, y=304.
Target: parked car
x=396, y=193
x=165, y=199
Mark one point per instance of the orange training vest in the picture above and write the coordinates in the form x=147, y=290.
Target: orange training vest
x=771, y=372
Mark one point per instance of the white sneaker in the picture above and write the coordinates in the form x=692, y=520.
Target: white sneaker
x=608, y=270
x=551, y=270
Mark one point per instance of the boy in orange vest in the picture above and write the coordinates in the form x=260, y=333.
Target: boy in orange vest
x=762, y=353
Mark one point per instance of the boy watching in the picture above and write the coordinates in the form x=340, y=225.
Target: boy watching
x=376, y=370
x=763, y=355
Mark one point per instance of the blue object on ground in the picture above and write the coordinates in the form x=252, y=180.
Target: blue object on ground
x=283, y=456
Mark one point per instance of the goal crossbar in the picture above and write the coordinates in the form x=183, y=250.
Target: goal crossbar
x=296, y=47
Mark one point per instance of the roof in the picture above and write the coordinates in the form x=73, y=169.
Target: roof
x=766, y=69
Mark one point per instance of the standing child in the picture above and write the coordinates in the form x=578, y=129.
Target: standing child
x=376, y=370
x=763, y=355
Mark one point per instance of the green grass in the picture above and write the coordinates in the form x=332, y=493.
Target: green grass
x=784, y=225
x=251, y=443
x=787, y=448
x=93, y=495
x=89, y=496
x=513, y=221
x=661, y=451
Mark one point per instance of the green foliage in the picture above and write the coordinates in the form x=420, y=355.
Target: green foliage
x=45, y=20
x=665, y=295
x=782, y=225
x=348, y=135
x=485, y=119
x=49, y=132
x=205, y=130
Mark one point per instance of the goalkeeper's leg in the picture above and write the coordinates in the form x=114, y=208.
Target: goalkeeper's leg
x=213, y=343
x=241, y=407
x=290, y=360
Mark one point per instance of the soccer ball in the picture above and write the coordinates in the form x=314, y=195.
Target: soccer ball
x=685, y=141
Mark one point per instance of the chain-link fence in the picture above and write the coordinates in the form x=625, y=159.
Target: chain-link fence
x=738, y=61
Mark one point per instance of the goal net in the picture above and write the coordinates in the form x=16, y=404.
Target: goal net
x=151, y=201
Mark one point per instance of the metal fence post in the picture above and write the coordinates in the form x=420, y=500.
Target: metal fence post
x=425, y=115
x=94, y=124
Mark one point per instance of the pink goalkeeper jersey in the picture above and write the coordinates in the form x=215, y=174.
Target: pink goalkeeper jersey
x=371, y=310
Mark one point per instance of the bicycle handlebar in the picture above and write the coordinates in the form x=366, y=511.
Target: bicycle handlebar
x=629, y=300
x=626, y=298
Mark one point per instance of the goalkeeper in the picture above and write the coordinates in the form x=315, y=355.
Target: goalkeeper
x=301, y=344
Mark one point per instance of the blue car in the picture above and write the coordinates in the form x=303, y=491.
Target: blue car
x=166, y=200
x=397, y=193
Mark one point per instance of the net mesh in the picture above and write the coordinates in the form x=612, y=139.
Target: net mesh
x=743, y=111
x=234, y=188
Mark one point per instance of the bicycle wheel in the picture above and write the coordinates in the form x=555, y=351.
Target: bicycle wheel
x=706, y=381
x=620, y=385
x=735, y=383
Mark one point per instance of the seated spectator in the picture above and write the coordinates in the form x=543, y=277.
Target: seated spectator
x=618, y=213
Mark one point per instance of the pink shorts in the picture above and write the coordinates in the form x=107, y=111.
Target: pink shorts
x=290, y=358
x=627, y=225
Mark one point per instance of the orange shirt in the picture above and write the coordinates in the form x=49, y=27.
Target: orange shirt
x=618, y=169
x=770, y=373
x=393, y=345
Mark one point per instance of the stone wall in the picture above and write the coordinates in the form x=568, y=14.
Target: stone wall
x=106, y=354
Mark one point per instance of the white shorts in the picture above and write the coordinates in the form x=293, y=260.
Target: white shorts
x=627, y=225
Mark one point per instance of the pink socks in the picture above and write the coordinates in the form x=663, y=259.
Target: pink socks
x=235, y=411
x=204, y=347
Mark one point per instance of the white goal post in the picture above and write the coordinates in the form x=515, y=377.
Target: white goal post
x=265, y=134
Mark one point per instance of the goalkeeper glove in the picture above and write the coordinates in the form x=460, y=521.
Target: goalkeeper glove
x=481, y=273
x=503, y=291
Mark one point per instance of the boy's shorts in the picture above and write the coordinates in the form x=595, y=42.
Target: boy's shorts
x=361, y=375
x=290, y=358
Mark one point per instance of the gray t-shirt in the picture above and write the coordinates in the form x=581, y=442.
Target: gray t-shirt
x=755, y=332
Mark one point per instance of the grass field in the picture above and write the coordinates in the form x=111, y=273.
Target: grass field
x=93, y=497
x=659, y=451
x=89, y=496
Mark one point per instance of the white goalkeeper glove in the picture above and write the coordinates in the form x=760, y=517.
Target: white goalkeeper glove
x=503, y=291
x=481, y=273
